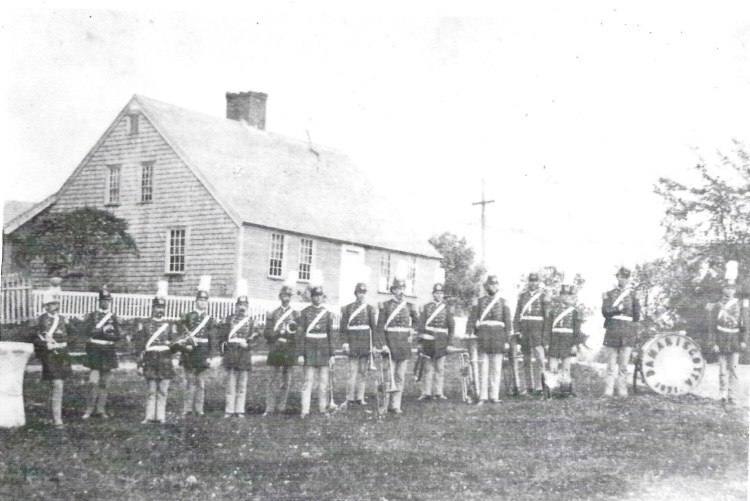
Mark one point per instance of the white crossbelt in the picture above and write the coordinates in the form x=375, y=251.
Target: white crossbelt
x=158, y=348
x=237, y=340
x=491, y=322
x=104, y=320
x=102, y=342
x=316, y=335
x=200, y=340
x=398, y=329
x=565, y=330
x=728, y=330
x=358, y=327
x=532, y=317
x=624, y=318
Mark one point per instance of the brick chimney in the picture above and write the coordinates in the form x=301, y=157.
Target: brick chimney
x=248, y=107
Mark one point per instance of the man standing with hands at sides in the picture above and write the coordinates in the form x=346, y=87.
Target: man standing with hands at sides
x=51, y=347
x=436, y=328
x=196, y=330
x=237, y=333
x=528, y=323
x=103, y=329
x=622, y=312
x=358, y=324
x=396, y=323
x=315, y=345
x=491, y=321
x=281, y=334
x=728, y=321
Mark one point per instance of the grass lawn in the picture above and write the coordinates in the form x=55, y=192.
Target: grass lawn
x=587, y=447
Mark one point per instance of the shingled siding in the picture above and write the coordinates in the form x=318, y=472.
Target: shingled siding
x=179, y=201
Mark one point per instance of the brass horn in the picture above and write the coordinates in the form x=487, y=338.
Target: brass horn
x=291, y=328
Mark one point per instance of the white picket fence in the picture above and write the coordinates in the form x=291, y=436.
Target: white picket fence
x=15, y=299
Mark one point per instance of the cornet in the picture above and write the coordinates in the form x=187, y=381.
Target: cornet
x=290, y=328
x=468, y=376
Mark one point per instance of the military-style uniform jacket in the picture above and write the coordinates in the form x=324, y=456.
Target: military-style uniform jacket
x=528, y=321
x=103, y=334
x=237, y=354
x=283, y=345
x=394, y=332
x=728, y=321
x=157, y=349
x=492, y=325
x=316, y=336
x=436, y=329
x=202, y=342
x=622, y=312
x=358, y=324
x=563, y=325
x=56, y=361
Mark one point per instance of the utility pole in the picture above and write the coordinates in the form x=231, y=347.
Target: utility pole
x=483, y=203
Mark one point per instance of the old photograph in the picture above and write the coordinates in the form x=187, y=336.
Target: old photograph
x=392, y=251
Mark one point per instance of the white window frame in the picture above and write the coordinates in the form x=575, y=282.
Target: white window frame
x=111, y=170
x=280, y=276
x=300, y=263
x=411, y=278
x=168, y=251
x=150, y=166
x=133, y=124
x=385, y=286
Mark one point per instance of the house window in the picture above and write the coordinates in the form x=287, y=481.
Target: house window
x=113, y=191
x=411, y=278
x=305, y=258
x=176, y=251
x=133, y=124
x=384, y=277
x=147, y=181
x=276, y=261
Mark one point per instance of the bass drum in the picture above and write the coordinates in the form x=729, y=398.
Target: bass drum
x=672, y=364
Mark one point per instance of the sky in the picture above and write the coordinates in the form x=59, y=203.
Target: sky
x=569, y=112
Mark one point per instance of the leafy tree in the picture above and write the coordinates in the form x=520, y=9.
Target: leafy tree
x=68, y=243
x=462, y=276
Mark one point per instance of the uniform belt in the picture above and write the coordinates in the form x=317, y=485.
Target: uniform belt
x=728, y=330
x=427, y=337
x=236, y=340
x=316, y=335
x=624, y=318
x=529, y=317
x=158, y=348
x=281, y=339
x=565, y=330
x=60, y=345
x=441, y=330
x=491, y=322
x=358, y=327
x=398, y=329
x=201, y=340
x=102, y=342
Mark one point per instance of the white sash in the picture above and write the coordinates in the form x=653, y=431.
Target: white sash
x=315, y=321
x=282, y=318
x=489, y=307
x=237, y=327
x=157, y=334
x=621, y=297
x=104, y=320
x=562, y=315
x=393, y=314
x=528, y=304
x=355, y=313
x=439, y=308
x=49, y=335
x=724, y=312
x=200, y=326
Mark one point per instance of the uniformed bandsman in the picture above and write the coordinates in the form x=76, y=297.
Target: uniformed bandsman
x=155, y=337
x=238, y=333
x=51, y=347
x=728, y=322
x=490, y=320
x=357, y=327
x=622, y=312
x=436, y=328
x=282, y=329
x=103, y=329
x=397, y=323
x=528, y=324
x=196, y=331
x=563, y=324
x=315, y=346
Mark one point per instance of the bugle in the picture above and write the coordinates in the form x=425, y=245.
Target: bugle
x=420, y=364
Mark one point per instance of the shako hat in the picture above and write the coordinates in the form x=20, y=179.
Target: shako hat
x=160, y=300
x=204, y=285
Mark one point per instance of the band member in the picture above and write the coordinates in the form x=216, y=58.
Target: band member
x=196, y=330
x=237, y=335
x=728, y=321
x=563, y=324
x=622, y=312
x=528, y=324
x=396, y=325
x=436, y=328
x=358, y=324
x=155, y=336
x=315, y=347
x=103, y=329
x=51, y=346
x=491, y=321
x=281, y=333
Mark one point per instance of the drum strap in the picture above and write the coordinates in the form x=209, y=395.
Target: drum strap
x=281, y=319
x=157, y=334
x=104, y=320
x=237, y=327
